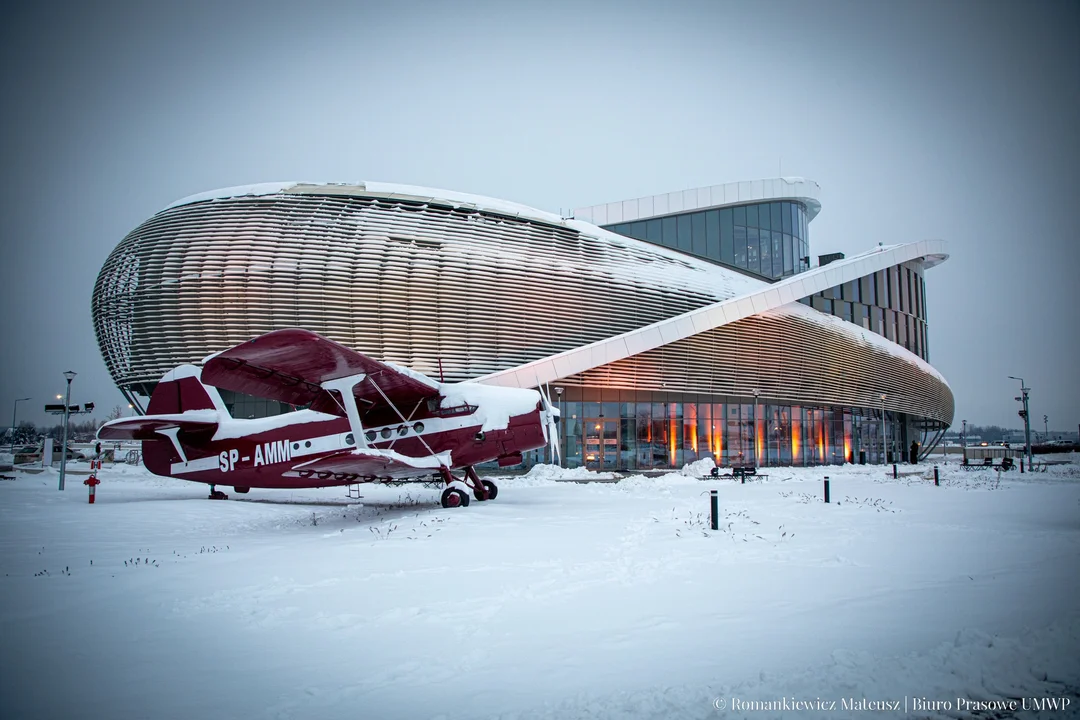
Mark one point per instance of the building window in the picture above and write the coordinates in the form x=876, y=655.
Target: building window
x=697, y=234
x=727, y=237
x=712, y=235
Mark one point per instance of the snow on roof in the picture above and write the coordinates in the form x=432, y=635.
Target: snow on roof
x=458, y=199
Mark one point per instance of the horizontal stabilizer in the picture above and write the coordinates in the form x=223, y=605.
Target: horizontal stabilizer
x=149, y=427
x=374, y=463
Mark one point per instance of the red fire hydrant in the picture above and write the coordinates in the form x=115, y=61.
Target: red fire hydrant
x=92, y=481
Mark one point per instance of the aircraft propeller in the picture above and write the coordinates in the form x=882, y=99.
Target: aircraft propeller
x=551, y=422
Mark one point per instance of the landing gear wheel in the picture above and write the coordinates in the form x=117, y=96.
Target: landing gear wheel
x=217, y=495
x=453, y=497
x=492, y=490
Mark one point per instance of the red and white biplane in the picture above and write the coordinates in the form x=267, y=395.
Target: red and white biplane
x=365, y=421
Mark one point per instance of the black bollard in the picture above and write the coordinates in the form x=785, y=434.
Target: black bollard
x=715, y=502
x=1021, y=464
x=894, y=475
x=826, y=488
x=936, y=484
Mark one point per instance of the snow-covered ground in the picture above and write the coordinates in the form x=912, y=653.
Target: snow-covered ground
x=557, y=600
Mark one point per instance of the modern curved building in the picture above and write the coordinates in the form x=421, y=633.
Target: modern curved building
x=670, y=327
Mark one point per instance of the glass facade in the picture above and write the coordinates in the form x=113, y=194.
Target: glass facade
x=890, y=302
x=768, y=239
x=646, y=431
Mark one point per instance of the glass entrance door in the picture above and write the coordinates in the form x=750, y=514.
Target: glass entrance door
x=601, y=444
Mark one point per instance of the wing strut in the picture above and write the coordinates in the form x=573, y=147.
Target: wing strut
x=344, y=386
x=395, y=409
x=171, y=434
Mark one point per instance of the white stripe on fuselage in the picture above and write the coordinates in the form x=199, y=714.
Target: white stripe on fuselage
x=323, y=444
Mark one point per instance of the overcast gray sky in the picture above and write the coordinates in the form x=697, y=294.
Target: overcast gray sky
x=954, y=120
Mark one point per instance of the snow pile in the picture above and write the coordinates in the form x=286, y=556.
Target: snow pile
x=554, y=472
x=698, y=469
x=658, y=482
x=6, y=458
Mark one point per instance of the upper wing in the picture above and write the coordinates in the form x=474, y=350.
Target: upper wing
x=290, y=366
x=373, y=463
x=148, y=427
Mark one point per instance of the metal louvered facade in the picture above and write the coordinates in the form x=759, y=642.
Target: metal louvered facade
x=468, y=289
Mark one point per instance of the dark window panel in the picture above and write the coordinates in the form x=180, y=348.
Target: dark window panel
x=727, y=237
x=670, y=232
x=684, y=233
x=654, y=232
x=786, y=210
x=697, y=234
x=763, y=216
x=712, y=234
x=789, y=254
x=777, y=222
x=740, y=215
x=752, y=216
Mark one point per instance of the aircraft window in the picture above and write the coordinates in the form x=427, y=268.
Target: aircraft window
x=402, y=430
x=296, y=446
x=479, y=437
x=307, y=443
x=349, y=439
x=418, y=428
x=386, y=432
x=370, y=435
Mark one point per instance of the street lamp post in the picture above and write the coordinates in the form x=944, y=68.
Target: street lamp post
x=757, y=419
x=70, y=375
x=884, y=454
x=559, y=392
x=13, y=411
x=1024, y=389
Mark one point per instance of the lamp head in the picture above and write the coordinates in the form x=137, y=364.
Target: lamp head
x=70, y=375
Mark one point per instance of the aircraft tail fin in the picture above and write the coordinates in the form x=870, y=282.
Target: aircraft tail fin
x=181, y=390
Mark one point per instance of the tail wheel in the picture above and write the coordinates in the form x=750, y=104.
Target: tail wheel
x=491, y=488
x=453, y=497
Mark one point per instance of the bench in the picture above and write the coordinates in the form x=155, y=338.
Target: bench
x=738, y=472
x=988, y=464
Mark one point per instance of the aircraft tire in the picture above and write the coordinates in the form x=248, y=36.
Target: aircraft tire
x=453, y=497
x=492, y=489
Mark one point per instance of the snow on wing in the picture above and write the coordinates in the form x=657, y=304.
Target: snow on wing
x=290, y=365
x=375, y=463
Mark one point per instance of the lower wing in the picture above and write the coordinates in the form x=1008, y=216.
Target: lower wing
x=372, y=464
